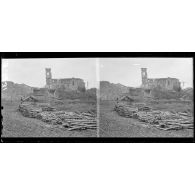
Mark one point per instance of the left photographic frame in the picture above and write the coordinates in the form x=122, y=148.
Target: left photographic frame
x=48, y=99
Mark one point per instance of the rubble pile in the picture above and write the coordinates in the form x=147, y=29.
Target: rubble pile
x=67, y=120
x=142, y=107
x=28, y=110
x=160, y=119
x=187, y=94
x=125, y=110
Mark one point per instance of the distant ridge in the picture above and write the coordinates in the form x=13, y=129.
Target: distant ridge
x=13, y=91
x=111, y=91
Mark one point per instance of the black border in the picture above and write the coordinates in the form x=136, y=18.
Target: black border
x=11, y=55
x=96, y=140
x=96, y=54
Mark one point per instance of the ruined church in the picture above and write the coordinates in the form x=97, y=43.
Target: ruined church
x=160, y=83
x=67, y=84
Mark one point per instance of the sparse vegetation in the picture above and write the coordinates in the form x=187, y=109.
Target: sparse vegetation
x=14, y=124
x=164, y=94
x=113, y=125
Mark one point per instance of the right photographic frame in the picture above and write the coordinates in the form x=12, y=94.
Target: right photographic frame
x=146, y=97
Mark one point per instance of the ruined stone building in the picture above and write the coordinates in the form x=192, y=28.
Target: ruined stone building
x=56, y=87
x=159, y=83
x=67, y=84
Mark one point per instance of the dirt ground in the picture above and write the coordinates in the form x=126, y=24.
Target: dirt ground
x=16, y=125
x=113, y=125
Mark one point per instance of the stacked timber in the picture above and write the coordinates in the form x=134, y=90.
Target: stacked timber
x=148, y=117
x=48, y=108
x=77, y=121
x=159, y=119
x=167, y=120
x=125, y=110
x=144, y=108
x=82, y=124
x=176, y=122
x=28, y=110
x=70, y=120
x=67, y=120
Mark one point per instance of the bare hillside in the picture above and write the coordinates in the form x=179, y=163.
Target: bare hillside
x=13, y=91
x=111, y=91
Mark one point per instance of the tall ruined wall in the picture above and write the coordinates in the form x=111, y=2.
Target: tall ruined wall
x=67, y=84
x=164, y=84
x=161, y=83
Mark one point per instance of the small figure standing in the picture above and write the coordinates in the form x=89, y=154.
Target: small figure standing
x=117, y=100
x=21, y=100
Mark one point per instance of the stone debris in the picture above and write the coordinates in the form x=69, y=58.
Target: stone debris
x=66, y=120
x=125, y=110
x=160, y=119
x=28, y=110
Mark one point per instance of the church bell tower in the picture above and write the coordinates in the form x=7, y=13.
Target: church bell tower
x=144, y=76
x=48, y=77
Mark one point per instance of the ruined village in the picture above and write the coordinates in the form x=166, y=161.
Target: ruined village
x=67, y=107
x=158, y=108
x=62, y=108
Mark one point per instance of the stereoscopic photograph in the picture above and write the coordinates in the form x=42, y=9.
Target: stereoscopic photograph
x=49, y=97
x=97, y=97
x=146, y=97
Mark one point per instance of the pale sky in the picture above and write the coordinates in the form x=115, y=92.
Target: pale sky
x=32, y=71
x=127, y=71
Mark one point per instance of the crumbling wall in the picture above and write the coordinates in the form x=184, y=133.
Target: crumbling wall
x=67, y=84
x=72, y=84
x=161, y=83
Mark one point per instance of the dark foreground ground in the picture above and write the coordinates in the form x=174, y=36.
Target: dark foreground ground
x=16, y=125
x=113, y=125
